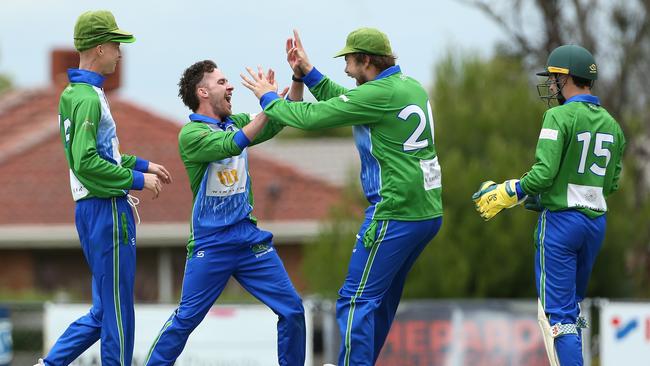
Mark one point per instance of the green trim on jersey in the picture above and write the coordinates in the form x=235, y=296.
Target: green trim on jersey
x=578, y=159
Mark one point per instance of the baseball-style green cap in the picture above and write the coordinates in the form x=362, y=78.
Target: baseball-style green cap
x=366, y=40
x=97, y=27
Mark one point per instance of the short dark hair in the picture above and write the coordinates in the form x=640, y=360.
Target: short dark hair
x=192, y=77
x=380, y=62
x=582, y=82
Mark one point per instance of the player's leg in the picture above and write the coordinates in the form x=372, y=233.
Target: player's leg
x=91, y=217
x=262, y=273
x=116, y=285
x=385, y=314
x=370, y=274
x=79, y=336
x=114, y=272
x=558, y=241
x=594, y=236
x=206, y=273
x=594, y=231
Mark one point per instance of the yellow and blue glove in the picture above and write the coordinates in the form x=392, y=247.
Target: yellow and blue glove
x=491, y=198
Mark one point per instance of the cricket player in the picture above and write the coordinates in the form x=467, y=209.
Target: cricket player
x=224, y=238
x=393, y=130
x=578, y=164
x=100, y=178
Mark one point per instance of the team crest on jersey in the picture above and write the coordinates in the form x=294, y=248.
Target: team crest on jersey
x=261, y=249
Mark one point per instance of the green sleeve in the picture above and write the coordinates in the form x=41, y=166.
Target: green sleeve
x=548, y=156
x=128, y=161
x=271, y=128
x=618, y=167
x=198, y=143
x=363, y=105
x=86, y=161
x=327, y=89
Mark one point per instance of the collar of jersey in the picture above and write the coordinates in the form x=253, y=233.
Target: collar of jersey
x=86, y=77
x=587, y=98
x=197, y=117
x=388, y=72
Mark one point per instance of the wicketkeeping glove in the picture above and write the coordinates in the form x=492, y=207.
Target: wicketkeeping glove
x=491, y=198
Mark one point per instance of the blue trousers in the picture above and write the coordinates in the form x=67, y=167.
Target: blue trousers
x=373, y=287
x=107, y=235
x=567, y=243
x=246, y=253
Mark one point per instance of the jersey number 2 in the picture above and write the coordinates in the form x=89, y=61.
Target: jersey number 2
x=66, y=130
x=413, y=142
x=599, y=150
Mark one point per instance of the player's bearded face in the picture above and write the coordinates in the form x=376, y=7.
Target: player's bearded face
x=220, y=93
x=354, y=69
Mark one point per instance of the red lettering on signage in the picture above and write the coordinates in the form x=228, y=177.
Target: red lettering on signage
x=415, y=333
x=440, y=331
x=647, y=329
x=484, y=342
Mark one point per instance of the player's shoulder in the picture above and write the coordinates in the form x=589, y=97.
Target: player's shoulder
x=241, y=118
x=190, y=129
x=81, y=94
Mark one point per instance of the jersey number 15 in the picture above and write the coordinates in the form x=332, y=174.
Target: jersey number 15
x=599, y=150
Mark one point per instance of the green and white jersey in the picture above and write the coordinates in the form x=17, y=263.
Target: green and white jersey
x=97, y=169
x=578, y=157
x=394, y=134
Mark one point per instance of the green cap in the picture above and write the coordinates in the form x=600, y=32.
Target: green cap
x=366, y=40
x=572, y=60
x=96, y=27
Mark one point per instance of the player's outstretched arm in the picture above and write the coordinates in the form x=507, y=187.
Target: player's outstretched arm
x=491, y=198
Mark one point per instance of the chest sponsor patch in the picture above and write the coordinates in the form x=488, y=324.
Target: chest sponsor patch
x=227, y=177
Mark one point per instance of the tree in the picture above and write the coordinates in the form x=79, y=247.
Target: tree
x=5, y=83
x=618, y=33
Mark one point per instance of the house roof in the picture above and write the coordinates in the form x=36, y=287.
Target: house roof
x=338, y=159
x=35, y=181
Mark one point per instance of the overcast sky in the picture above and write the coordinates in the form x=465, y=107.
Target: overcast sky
x=173, y=34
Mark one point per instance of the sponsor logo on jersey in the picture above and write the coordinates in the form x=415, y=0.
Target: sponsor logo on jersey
x=200, y=254
x=261, y=249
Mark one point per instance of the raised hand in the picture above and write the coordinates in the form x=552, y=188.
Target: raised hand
x=259, y=84
x=297, y=57
x=270, y=76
